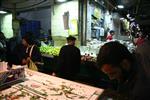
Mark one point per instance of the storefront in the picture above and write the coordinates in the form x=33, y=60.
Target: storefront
x=64, y=21
x=84, y=19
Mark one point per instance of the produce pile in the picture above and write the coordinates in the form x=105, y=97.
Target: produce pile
x=50, y=50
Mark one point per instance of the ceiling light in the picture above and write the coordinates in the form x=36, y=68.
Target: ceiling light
x=120, y=6
x=2, y=12
x=122, y=18
x=61, y=0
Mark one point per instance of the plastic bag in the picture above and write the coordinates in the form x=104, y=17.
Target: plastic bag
x=32, y=65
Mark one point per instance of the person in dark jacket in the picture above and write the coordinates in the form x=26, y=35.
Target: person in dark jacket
x=19, y=55
x=115, y=60
x=15, y=54
x=142, y=51
x=2, y=47
x=69, y=60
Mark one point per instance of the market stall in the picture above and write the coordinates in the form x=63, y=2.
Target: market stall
x=89, y=71
x=40, y=86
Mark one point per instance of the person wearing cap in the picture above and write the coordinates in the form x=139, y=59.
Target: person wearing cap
x=69, y=60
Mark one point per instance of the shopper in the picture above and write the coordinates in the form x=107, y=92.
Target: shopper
x=11, y=45
x=32, y=50
x=142, y=51
x=118, y=63
x=19, y=55
x=139, y=39
x=69, y=60
x=2, y=47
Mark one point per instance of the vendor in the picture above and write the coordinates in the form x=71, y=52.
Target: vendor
x=110, y=35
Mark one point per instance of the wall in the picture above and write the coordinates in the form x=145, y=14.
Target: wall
x=43, y=15
x=6, y=25
x=57, y=17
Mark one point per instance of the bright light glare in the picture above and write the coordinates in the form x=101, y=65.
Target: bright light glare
x=3, y=12
x=61, y=0
x=121, y=18
x=120, y=6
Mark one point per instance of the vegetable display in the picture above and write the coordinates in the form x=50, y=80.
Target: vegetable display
x=50, y=50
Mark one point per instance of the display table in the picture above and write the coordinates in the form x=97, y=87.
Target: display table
x=41, y=86
x=13, y=75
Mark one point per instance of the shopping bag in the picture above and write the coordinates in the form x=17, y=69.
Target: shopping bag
x=32, y=65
